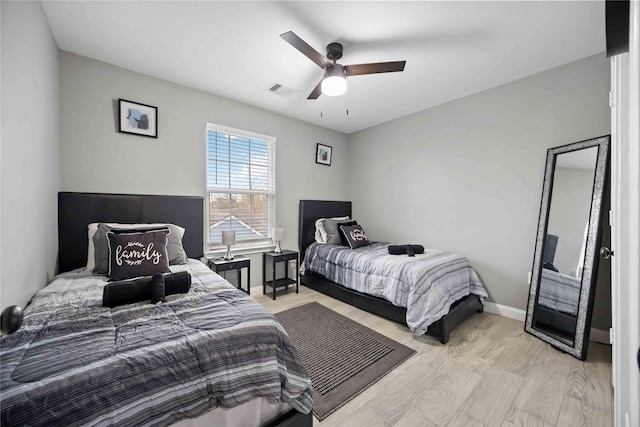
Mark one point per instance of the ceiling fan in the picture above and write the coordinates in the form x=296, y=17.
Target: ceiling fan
x=334, y=81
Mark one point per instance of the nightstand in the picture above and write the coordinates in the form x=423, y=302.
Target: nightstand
x=239, y=262
x=272, y=259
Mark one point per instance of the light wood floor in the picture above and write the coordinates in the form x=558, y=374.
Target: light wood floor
x=491, y=373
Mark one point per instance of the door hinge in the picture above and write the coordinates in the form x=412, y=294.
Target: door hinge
x=611, y=336
x=612, y=99
x=611, y=218
x=529, y=278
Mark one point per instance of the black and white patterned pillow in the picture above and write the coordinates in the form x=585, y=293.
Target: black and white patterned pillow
x=177, y=254
x=355, y=236
x=135, y=254
x=343, y=239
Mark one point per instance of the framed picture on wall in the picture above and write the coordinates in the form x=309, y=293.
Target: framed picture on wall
x=323, y=154
x=138, y=119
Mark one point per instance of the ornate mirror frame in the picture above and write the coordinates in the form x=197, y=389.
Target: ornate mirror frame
x=589, y=274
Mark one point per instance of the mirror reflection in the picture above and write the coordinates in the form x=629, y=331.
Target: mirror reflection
x=565, y=243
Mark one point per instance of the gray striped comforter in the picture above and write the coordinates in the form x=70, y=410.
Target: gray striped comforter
x=426, y=284
x=559, y=292
x=74, y=362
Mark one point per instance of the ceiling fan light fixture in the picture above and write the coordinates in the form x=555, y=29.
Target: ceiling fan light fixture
x=334, y=82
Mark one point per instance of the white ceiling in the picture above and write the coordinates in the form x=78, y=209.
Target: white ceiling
x=233, y=49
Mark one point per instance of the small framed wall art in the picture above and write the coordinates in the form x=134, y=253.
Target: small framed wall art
x=323, y=154
x=138, y=119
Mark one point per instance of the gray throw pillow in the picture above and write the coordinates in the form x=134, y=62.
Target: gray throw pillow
x=331, y=228
x=177, y=255
x=136, y=254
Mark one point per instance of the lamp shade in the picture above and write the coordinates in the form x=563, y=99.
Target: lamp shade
x=228, y=237
x=334, y=82
x=278, y=234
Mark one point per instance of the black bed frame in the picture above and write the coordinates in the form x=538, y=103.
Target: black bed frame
x=310, y=211
x=77, y=210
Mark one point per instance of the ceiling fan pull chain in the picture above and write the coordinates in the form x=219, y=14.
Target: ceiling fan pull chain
x=347, y=103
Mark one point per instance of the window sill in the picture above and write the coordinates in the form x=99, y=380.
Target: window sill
x=240, y=250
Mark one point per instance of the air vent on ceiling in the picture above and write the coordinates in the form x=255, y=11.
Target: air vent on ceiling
x=281, y=90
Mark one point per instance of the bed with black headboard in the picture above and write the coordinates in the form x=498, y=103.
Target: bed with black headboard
x=77, y=210
x=312, y=210
x=180, y=362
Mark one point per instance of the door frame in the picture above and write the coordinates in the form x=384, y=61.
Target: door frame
x=625, y=233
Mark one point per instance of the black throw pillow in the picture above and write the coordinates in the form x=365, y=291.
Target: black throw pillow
x=343, y=238
x=176, y=252
x=140, y=289
x=157, y=289
x=355, y=236
x=410, y=250
x=135, y=254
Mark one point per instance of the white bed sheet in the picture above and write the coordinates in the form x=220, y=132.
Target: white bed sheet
x=254, y=413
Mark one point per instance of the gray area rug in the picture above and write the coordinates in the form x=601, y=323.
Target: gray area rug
x=343, y=358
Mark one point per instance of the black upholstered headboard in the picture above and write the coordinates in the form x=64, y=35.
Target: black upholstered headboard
x=77, y=210
x=310, y=211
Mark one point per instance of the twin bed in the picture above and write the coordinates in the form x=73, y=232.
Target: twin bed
x=430, y=293
x=212, y=356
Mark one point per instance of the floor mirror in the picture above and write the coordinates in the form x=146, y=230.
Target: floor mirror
x=565, y=263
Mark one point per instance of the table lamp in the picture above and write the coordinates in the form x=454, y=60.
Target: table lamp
x=228, y=239
x=278, y=235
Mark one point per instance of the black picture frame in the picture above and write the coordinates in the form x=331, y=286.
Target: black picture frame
x=137, y=119
x=323, y=154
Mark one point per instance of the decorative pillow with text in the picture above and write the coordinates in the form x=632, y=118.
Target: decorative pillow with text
x=177, y=254
x=355, y=236
x=135, y=254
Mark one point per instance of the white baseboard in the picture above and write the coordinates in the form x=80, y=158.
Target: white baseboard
x=596, y=335
x=504, y=311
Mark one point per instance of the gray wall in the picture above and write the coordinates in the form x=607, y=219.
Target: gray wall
x=467, y=176
x=96, y=158
x=30, y=153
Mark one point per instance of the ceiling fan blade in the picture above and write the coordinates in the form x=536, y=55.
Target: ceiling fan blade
x=376, y=67
x=316, y=92
x=295, y=41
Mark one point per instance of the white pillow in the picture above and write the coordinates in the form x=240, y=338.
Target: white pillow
x=318, y=235
x=321, y=234
x=93, y=229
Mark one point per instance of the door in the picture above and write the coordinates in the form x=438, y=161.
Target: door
x=625, y=126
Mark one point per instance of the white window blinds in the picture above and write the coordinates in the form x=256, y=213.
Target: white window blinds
x=240, y=185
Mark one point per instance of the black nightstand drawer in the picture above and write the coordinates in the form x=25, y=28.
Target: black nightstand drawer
x=284, y=256
x=223, y=265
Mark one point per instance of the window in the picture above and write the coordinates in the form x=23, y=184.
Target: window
x=240, y=186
